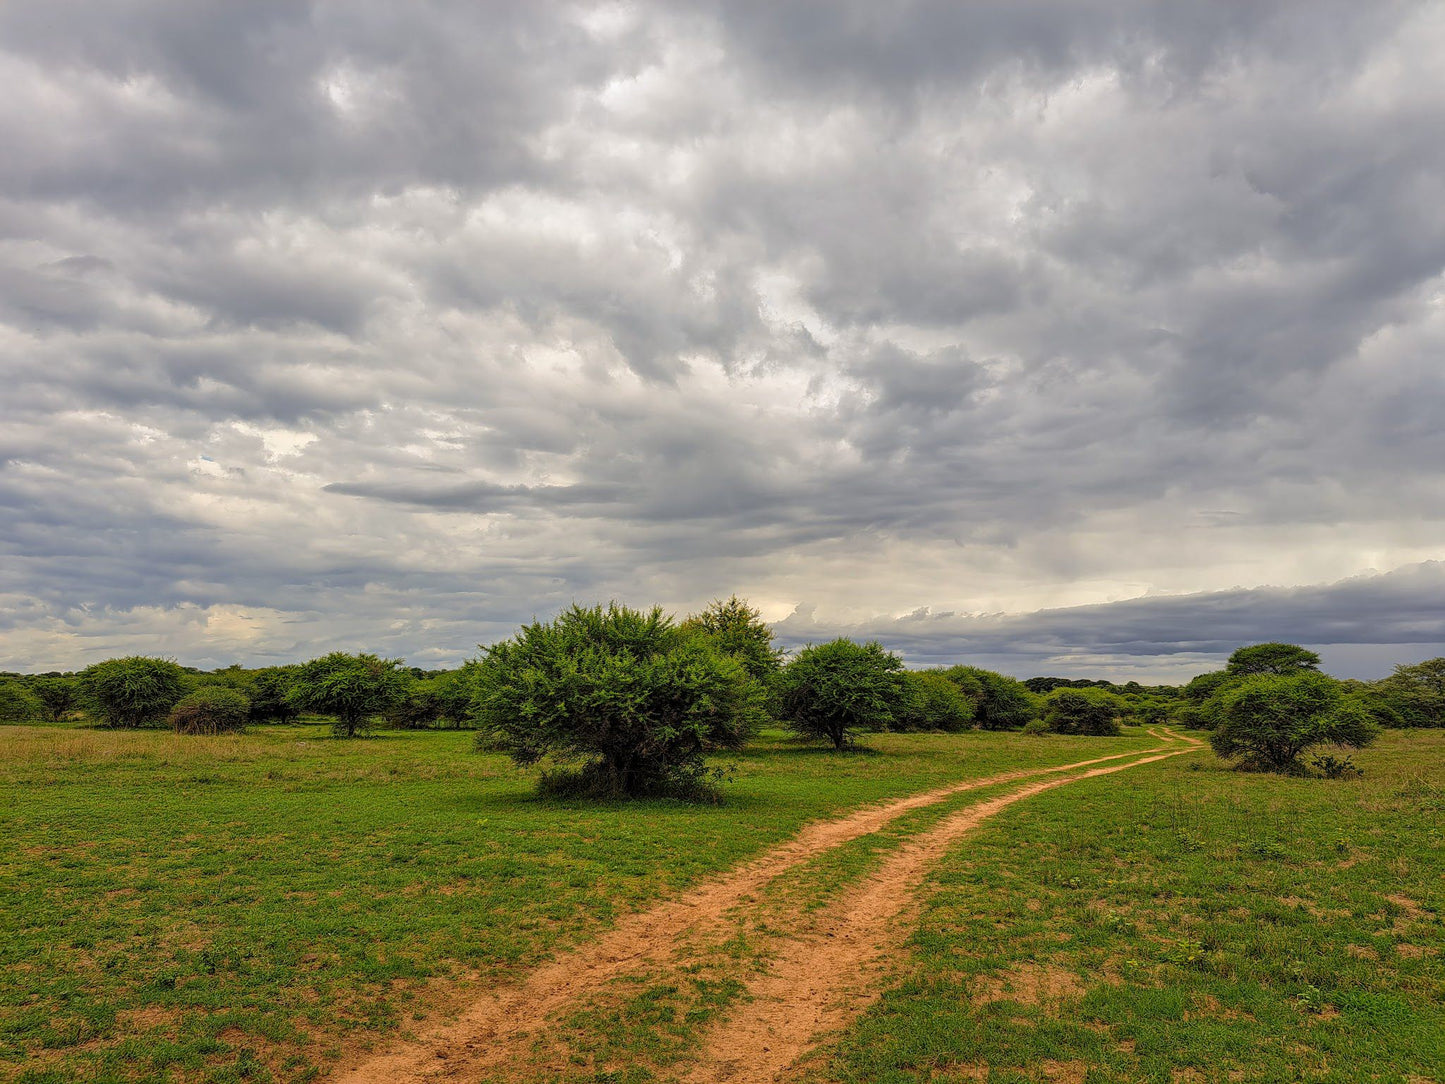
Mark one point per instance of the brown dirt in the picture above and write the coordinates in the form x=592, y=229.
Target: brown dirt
x=816, y=983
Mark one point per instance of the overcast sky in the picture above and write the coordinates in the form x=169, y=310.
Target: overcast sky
x=1085, y=338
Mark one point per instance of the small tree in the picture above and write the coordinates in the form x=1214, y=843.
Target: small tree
x=1271, y=658
x=933, y=703
x=837, y=689
x=628, y=698
x=134, y=691
x=353, y=688
x=271, y=695
x=1083, y=711
x=740, y=631
x=211, y=709
x=1413, y=695
x=58, y=696
x=1268, y=721
x=1004, y=703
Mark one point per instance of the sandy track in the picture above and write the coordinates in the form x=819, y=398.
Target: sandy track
x=494, y=1030
x=823, y=979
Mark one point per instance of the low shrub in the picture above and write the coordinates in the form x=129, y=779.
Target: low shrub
x=212, y=709
x=1083, y=711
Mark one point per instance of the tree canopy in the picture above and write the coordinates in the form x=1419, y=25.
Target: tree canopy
x=1269, y=721
x=352, y=688
x=835, y=690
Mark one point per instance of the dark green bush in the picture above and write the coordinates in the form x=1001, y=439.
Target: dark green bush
x=1268, y=721
x=134, y=691
x=211, y=709
x=17, y=704
x=355, y=689
x=58, y=696
x=1082, y=711
x=838, y=689
x=1003, y=703
x=625, y=703
x=933, y=702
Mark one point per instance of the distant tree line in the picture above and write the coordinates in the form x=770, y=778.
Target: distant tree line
x=613, y=700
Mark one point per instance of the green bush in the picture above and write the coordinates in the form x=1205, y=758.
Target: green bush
x=211, y=709
x=837, y=689
x=627, y=702
x=58, y=696
x=355, y=689
x=1268, y=721
x=932, y=702
x=1036, y=727
x=1003, y=703
x=17, y=705
x=738, y=630
x=134, y=691
x=1273, y=658
x=1082, y=711
x=1413, y=696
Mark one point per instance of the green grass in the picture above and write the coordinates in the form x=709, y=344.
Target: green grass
x=1183, y=922
x=237, y=908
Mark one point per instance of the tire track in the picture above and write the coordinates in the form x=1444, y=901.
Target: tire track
x=823, y=979
x=494, y=1030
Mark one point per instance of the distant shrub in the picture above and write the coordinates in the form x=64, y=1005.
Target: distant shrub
x=838, y=689
x=134, y=691
x=624, y=702
x=58, y=696
x=271, y=695
x=932, y=702
x=1003, y=703
x=17, y=705
x=1413, y=696
x=355, y=689
x=442, y=700
x=1036, y=727
x=1082, y=711
x=212, y=709
x=1269, y=721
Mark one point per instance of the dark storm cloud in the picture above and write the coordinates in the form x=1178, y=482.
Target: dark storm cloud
x=399, y=324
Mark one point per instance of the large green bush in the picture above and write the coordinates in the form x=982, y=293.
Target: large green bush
x=1267, y=722
x=1083, y=711
x=1413, y=696
x=840, y=688
x=1003, y=703
x=933, y=702
x=626, y=701
x=739, y=630
x=354, y=689
x=58, y=696
x=211, y=709
x=134, y=691
x=17, y=704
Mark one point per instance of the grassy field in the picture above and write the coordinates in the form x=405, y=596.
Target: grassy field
x=242, y=908
x=1194, y=924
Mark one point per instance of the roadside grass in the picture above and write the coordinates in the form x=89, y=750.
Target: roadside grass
x=1183, y=923
x=243, y=907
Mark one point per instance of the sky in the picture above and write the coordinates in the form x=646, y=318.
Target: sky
x=1080, y=338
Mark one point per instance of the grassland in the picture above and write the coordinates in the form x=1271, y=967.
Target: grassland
x=1193, y=924
x=245, y=908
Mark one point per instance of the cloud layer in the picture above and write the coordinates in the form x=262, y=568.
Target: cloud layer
x=387, y=326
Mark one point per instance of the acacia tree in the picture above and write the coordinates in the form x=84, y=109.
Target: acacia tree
x=353, y=688
x=626, y=700
x=134, y=691
x=1270, y=720
x=1271, y=658
x=59, y=696
x=739, y=630
x=837, y=689
x=1414, y=695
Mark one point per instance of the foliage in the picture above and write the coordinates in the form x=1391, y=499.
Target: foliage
x=1271, y=658
x=353, y=688
x=738, y=630
x=932, y=702
x=58, y=696
x=17, y=704
x=271, y=695
x=629, y=697
x=211, y=709
x=1414, y=695
x=134, y=691
x=1036, y=727
x=1004, y=703
x=1083, y=711
x=441, y=699
x=1269, y=720
x=837, y=689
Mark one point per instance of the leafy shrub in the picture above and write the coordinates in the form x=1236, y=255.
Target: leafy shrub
x=629, y=701
x=134, y=691
x=1413, y=696
x=837, y=689
x=932, y=702
x=212, y=709
x=1269, y=720
x=1036, y=727
x=1333, y=767
x=271, y=695
x=58, y=696
x=352, y=688
x=17, y=705
x=738, y=630
x=1003, y=703
x=1082, y=711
